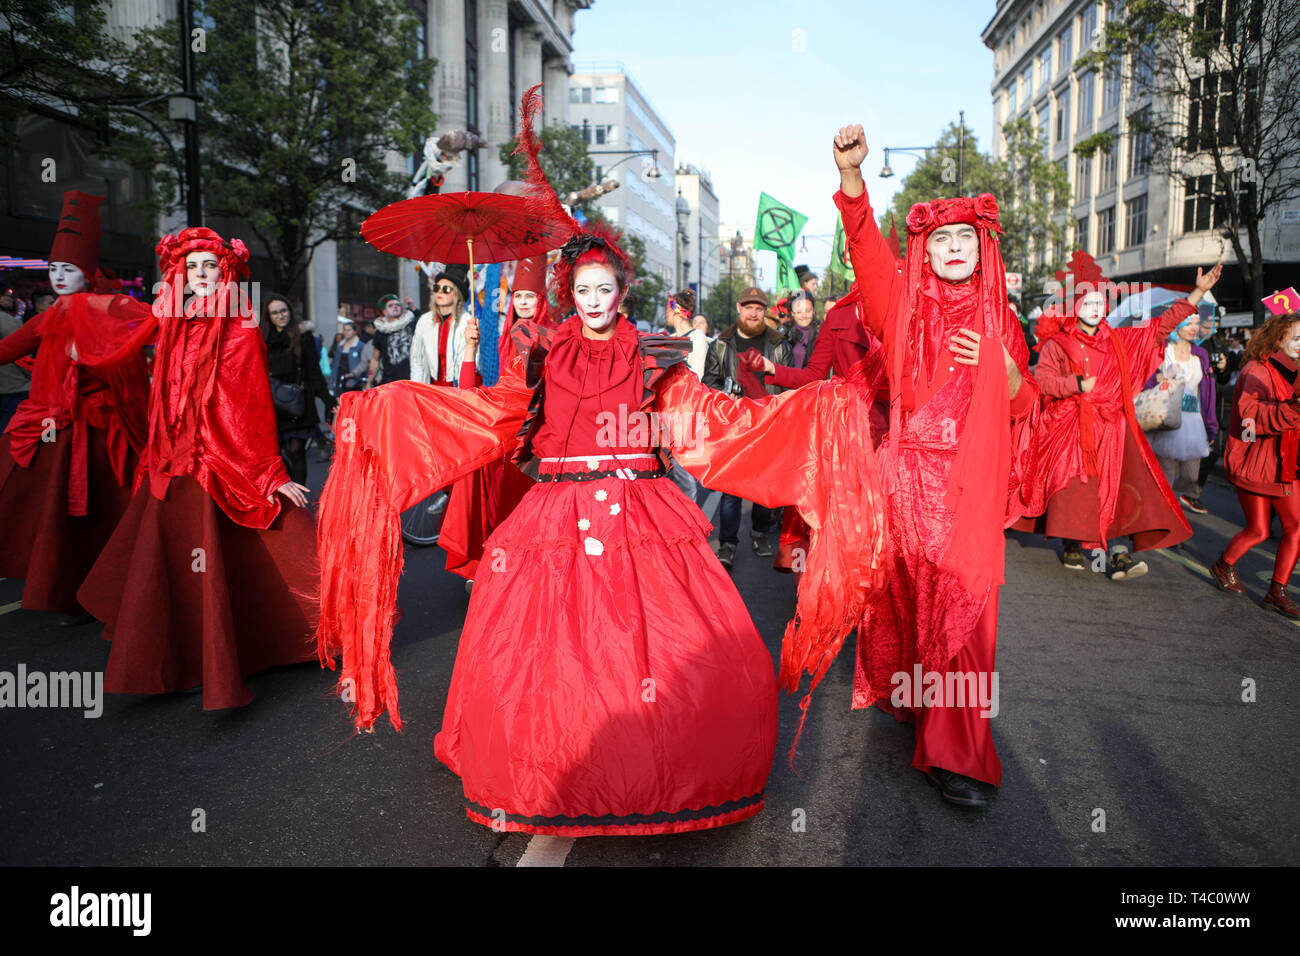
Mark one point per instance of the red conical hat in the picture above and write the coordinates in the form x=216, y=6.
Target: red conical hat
x=77, y=238
x=530, y=275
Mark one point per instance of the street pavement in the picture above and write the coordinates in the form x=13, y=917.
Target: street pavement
x=1122, y=730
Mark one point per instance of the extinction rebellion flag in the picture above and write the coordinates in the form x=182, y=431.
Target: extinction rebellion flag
x=776, y=229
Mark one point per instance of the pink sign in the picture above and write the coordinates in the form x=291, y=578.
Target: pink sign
x=1283, y=303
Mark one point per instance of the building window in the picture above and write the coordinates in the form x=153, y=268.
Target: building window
x=1045, y=68
x=1144, y=68
x=1027, y=82
x=1086, y=83
x=1043, y=122
x=1065, y=48
x=1083, y=176
x=1205, y=202
x=1011, y=100
x=1088, y=25
x=1139, y=151
x=1062, y=115
x=605, y=94
x=1109, y=160
x=1135, y=221
x=1081, y=233
x=1106, y=231
x=1212, y=112
x=1110, y=90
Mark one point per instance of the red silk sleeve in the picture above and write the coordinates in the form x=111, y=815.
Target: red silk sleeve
x=818, y=367
x=812, y=448
x=20, y=342
x=395, y=445
x=1054, y=373
x=874, y=265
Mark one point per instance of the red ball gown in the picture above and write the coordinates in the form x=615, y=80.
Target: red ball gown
x=609, y=679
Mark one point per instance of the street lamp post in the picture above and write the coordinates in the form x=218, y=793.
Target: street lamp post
x=886, y=171
x=683, y=218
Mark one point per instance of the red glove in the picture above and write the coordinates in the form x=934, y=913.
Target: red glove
x=749, y=366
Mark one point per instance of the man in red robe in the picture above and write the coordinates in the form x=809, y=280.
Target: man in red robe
x=1099, y=481
x=961, y=400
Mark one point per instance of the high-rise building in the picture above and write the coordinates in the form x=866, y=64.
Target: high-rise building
x=1139, y=223
x=630, y=142
x=703, y=238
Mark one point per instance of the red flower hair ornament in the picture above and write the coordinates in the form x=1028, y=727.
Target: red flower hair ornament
x=981, y=210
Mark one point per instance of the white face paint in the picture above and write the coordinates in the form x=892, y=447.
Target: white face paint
x=954, y=251
x=67, y=278
x=1291, y=342
x=596, y=295
x=525, y=304
x=1092, y=309
x=202, y=273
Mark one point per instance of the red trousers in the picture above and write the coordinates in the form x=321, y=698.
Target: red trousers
x=1259, y=509
x=958, y=738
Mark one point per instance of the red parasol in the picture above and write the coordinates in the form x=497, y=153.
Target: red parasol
x=455, y=227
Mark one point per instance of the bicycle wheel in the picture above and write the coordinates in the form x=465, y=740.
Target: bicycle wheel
x=422, y=522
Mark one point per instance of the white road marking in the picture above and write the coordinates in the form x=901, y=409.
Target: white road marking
x=546, y=851
x=5, y=609
x=1204, y=572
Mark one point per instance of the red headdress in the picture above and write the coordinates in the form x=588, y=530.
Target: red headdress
x=1080, y=276
x=594, y=243
x=984, y=461
x=77, y=238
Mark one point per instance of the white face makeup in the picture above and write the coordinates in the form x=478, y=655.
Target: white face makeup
x=67, y=278
x=202, y=273
x=392, y=308
x=1291, y=342
x=954, y=251
x=596, y=295
x=525, y=304
x=1092, y=309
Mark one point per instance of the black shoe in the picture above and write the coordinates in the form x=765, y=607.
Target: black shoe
x=1073, y=559
x=1193, y=503
x=761, y=546
x=957, y=789
x=1124, y=568
x=726, y=554
x=73, y=620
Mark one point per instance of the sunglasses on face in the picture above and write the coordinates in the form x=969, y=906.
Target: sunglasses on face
x=445, y=289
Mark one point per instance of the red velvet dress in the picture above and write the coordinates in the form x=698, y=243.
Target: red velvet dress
x=927, y=618
x=206, y=579
x=608, y=679
x=1099, y=478
x=60, y=499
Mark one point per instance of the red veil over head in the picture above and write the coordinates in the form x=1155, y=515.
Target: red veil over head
x=983, y=469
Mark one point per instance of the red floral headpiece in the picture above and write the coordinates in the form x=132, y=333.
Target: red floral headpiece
x=232, y=256
x=981, y=210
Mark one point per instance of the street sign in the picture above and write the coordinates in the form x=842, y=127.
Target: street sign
x=1013, y=282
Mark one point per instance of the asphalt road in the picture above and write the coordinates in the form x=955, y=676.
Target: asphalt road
x=1119, y=697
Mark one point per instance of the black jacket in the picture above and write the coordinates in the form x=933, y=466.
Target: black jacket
x=304, y=370
x=720, y=363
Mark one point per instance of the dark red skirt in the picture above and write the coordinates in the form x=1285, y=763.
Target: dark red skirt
x=191, y=598
x=479, y=503
x=1143, y=509
x=45, y=545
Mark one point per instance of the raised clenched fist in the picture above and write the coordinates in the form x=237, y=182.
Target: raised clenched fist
x=850, y=147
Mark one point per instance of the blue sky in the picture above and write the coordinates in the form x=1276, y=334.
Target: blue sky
x=745, y=105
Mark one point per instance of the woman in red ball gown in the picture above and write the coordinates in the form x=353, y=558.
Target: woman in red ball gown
x=69, y=454
x=206, y=579
x=608, y=679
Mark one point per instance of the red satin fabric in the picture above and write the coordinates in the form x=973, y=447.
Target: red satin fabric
x=211, y=417
x=953, y=464
x=1261, y=458
x=176, y=623
x=595, y=589
x=44, y=544
x=1082, y=439
x=107, y=386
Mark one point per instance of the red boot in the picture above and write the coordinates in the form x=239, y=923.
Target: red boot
x=1276, y=600
x=1225, y=575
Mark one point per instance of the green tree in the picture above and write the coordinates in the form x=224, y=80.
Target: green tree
x=303, y=102
x=935, y=175
x=1220, y=110
x=1033, y=197
x=57, y=54
x=564, y=159
x=719, y=305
